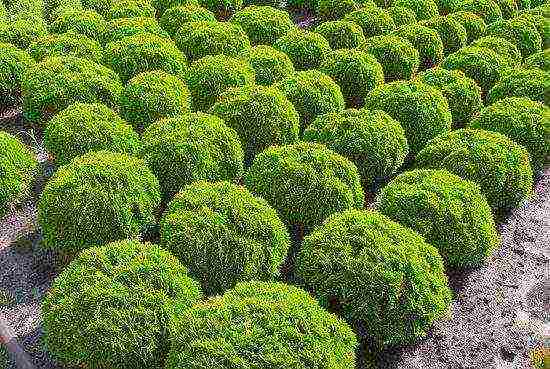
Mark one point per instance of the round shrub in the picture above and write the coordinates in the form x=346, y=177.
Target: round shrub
x=263, y=24
x=423, y=9
x=497, y=164
x=18, y=166
x=14, y=63
x=330, y=10
x=342, y=34
x=421, y=109
x=356, y=72
x=210, y=76
x=264, y=325
x=162, y=5
x=312, y=93
x=66, y=44
x=398, y=57
x=402, y=15
x=270, y=65
x=100, y=6
x=221, y=250
x=381, y=275
x=520, y=32
x=97, y=198
x=305, y=182
x=117, y=29
x=262, y=117
x=539, y=22
x=531, y=83
x=150, y=96
x=189, y=148
x=473, y=24
x=131, y=9
x=373, y=20
x=173, y=18
x=86, y=22
x=449, y=212
x=309, y=5
x=540, y=60
x=144, y=52
x=509, y=8
x=55, y=83
x=81, y=128
x=461, y=92
x=22, y=32
x=426, y=41
x=126, y=290
x=222, y=8
x=504, y=48
x=199, y=39
x=524, y=121
x=307, y=50
x=486, y=9
x=452, y=33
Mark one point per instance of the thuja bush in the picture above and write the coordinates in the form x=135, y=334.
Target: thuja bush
x=423, y=9
x=519, y=31
x=452, y=33
x=81, y=128
x=398, y=57
x=504, y=48
x=287, y=327
x=486, y=9
x=531, y=83
x=540, y=60
x=402, y=15
x=130, y=9
x=220, y=250
x=473, y=24
x=270, y=65
x=426, y=41
x=22, y=32
x=306, y=49
x=86, y=22
x=509, y=8
x=18, y=167
x=162, y=5
x=173, y=18
x=497, y=164
x=112, y=305
x=342, y=34
x=330, y=10
x=66, y=44
x=449, y=212
x=540, y=22
x=377, y=274
x=53, y=84
x=222, y=8
x=117, y=29
x=97, y=198
x=263, y=24
x=305, y=182
x=373, y=20
x=14, y=63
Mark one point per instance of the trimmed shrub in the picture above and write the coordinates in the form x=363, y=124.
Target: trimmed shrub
x=100, y=6
x=497, y=164
x=220, y=250
x=127, y=290
x=373, y=21
x=342, y=34
x=117, y=29
x=13, y=65
x=86, y=22
x=98, y=198
x=263, y=24
x=144, y=52
x=131, y=9
x=381, y=275
x=211, y=76
x=312, y=93
x=55, y=83
x=189, y=148
x=331, y=10
x=18, y=167
x=162, y=5
x=305, y=183
x=398, y=57
x=504, y=48
x=421, y=109
x=22, y=32
x=509, y=8
x=262, y=117
x=222, y=8
x=541, y=23
x=523, y=121
x=150, y=96
x=285, y=326
x=522, y=33
x=81, y=128
x=307, y=50
x=486, y=9
x=402, y=15
x=310, y=5
x=423, y=9
x=372, y=140
x=66, y=44
x=199, y=39
x=173, y=18
x=426, y=41
x=452, y=33
x=540, y=60
x=449, y=212
x=270, y=65
x=461, y=92
x=273, y=3
x=531, y=83
x=473, y=24
x=356, y=72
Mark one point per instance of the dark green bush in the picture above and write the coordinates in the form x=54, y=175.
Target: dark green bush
x=66, y=44
x=308, y=5
x=540, y=60
x=225, y=235
x=473, y=24
x=424, y=9
x=398, y=57
x=541, y=23
x=331, y=10
x=531, y=83
x=402, y=15
x=269, y=64
x=14, y=63
x=173, y=18
x=111, y=307
x=117, y=29
x=342, y=34
x=263, y=24
x=131, y=9
x=509, y=8
x=426, y=41
x=373, y=20
x=486, y=9
x=98, y=198
x=452, y=33
x=222, y=8
x=522, y=33
x=86, y=22
x=273, y=3
x=100, y=6
x=307, y=50
x=504, y=48
x=22, y=32
x=382, y=276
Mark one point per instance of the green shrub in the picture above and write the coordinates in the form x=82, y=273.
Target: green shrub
x=86, y=22
x=541, y=23
x=52, y=8
x=473, y=24
x=331, y=10
x=461, y=92
x=150, y=96
x=189, y=148
x=262, y=325
x=504, y=48
x=402, y=15
x=261, y=116
x=263, y=24
x=98, y=198
x=117, y=29
x=131, y=9
x=210, y=76
x=312, y=93
x=531, y=83
x=111, y=307
x=421, y=109
x=162, y=5
x=305, y=183
x=342, y=34
x=374, y=21
x=13, y=64
x=100, y=6
x=273, y=3
x=356, y=72
x=486, y=9
x=524, y=121
x=426, y=41
x=309, y=5
x=540, y=60
x=452, y=33
x=509, y=8
x=270, y=65
x=449, y=212
x=307, y=50
x=381, y=275
x=22, y=32
x=55, y=83
x=81, y=128
x=18, y=167
x=144, y=52
x=66, y=44
x=222, y=8
x=199, y=39
x=522, y=33
x=497, y=164
x=423, y=9
x=225, y=235
x=398, y=57
x=173, y=18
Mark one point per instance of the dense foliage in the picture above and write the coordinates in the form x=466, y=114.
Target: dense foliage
x=398, y=57
x=14, y=63
x=306, y=49
x=426, y=41
x=342, y=34
x=270, y=65
x=66, y=44
x=263, y=24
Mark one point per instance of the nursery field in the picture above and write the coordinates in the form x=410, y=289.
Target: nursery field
x=310, y=184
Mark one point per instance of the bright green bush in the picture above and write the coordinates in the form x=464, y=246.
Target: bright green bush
x=504, y=48
x=22, y=32
x=449, y=212
x=473, y=24
x=402, y=15
x=273, y=3
x=222, y=8
x=117, y=29
x=55, y=83
x=13, y=64
x=509, y=8
x=452, y=33
x=306, y=49
x=426, y=41
x=270, y=65
x=263, y=24
x=98, y=198
x=331, y=10
x=373, y=21
x=309, y=5
x=173, y=18
x=382, y=276
x=131, y=9
x=531, y=83
x=112, y=305
x=540, y=22
x=519, y=31
x=150, y=96
x=486, y=9
x=342, y=34
x=497, y=164
x=66, y=44
x=423, y=9
x=52, y=8
x=220, y=250
x=162, y=5
x=86, y=22
x=540, y=60
x=398, y=57
x=100, y=6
